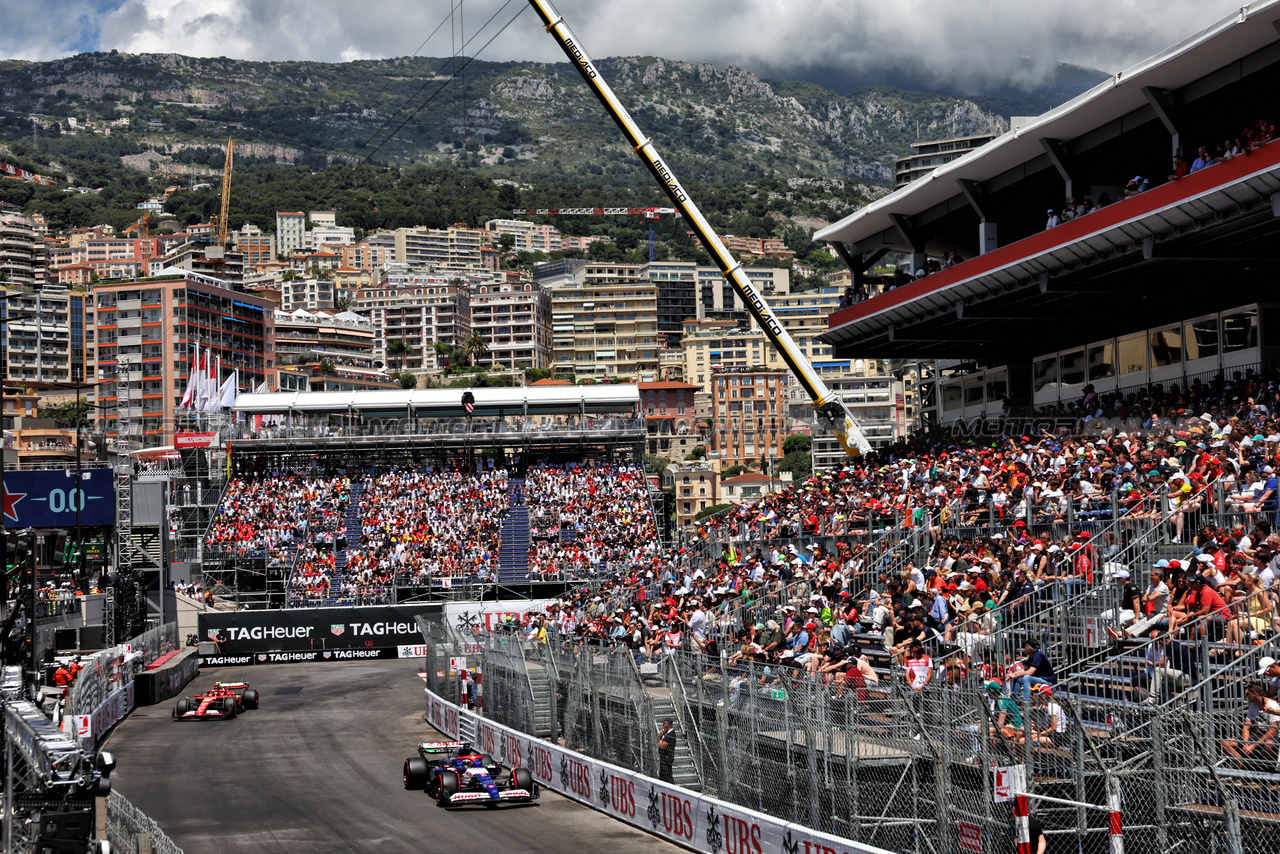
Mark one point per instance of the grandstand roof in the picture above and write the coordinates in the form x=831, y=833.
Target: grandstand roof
x=1238, y=35
x=447, y=403
x=1200, y=244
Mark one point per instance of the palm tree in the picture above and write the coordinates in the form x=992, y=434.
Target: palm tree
x=401, y=349
x=474, y=346
x=443, y=349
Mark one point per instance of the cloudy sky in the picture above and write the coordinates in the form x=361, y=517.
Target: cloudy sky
x=963, y=42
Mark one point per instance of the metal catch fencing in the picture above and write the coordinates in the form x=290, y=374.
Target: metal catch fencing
x=108, y=671
x=131, y=831
x=911, y=771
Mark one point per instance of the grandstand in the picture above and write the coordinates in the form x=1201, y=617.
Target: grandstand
x=1156, y=281
x=376, y=497
x=1109, y=469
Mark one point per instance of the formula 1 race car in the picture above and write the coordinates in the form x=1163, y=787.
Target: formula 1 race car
x=223, y=700
x=466, y=776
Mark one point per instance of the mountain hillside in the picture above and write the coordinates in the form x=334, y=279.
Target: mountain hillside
x=519, y=120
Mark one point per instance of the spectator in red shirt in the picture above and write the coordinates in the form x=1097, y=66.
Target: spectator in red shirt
x=1203, y=601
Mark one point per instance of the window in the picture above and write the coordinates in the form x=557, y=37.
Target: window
x=1200, y=338
x=1044, y=372
x=1072, y=367
x=1239, y=330
x=952, y=395
x=1102, y=358
x=1131, y=354
x=997, y=388
x=1166, y=347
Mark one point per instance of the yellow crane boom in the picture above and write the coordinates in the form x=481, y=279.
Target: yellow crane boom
x=830, y=409
x=226, y=196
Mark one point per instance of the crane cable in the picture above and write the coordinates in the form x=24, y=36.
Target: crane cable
x=408, y=118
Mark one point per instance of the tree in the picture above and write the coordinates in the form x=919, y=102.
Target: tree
x=698, y=453
x=799, y=463
x=407, y=380
x=797, y=442
x=506, y=242
x=73, y=413
x=400, y=349
x=327, y=368
x=733, y=471
x=474, y=346
x=710, y=511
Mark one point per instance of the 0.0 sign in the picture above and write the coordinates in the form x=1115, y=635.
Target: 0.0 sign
x=66, y=502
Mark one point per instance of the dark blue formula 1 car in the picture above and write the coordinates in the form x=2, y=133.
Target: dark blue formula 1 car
x=466, y=777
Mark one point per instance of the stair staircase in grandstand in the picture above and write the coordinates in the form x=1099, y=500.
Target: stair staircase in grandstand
x=513, y=554
x=352, y=525
x=541, y=688
x=683, y=771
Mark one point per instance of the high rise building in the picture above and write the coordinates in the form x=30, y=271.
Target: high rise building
x=514, y=318
x=21, y=251
x=418, y=310
x=430, y=249
x=748, y=415
x=291, y=232
x=154, y=326
x=38, y=335
x=606, y=327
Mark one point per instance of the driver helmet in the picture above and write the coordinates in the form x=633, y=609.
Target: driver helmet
x=478, y=762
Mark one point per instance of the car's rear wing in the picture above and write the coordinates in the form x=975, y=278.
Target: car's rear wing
x=439, y=746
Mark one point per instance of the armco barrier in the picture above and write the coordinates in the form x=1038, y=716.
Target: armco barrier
x=168, y=680
x=678, y=815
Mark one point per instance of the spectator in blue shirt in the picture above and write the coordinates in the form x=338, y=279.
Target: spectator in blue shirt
x=1034, y=670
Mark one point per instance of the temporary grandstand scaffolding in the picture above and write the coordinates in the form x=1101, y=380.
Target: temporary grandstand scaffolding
x=913, y=771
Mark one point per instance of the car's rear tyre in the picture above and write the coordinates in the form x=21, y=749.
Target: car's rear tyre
x=183, y=706
x=250, y=698
x=522, y=779
x=416, y=773
x=446, y=787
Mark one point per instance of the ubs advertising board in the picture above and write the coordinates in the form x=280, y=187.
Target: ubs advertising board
x=313, y=634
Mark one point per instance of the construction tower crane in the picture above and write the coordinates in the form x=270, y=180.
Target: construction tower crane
x=226, y=198
x=651, y=214
x=143, y=227
x=830, y=409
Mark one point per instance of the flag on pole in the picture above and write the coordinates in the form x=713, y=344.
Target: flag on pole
x=212, y=388
x=189, y=396
x=227, y=393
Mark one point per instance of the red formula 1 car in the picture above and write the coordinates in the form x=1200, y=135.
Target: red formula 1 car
x=223, y=700
x=466, y=777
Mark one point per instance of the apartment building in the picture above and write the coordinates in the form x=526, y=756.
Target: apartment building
x=22, y=253
x=330, y=235
x=153, y=327
x=749, y=418
x=514, y=318
x=876, y=403
x=345, y=338
x=44, y=335
x=603, y=328
x=291, y=232
x=669, y=415
x=258, y=248
x=697, y=487
x=367, y=255
x=725, y=343
x=418, y=309
x=433, y=248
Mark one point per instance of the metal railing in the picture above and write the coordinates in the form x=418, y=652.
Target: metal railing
x=107, y=671
x=131, y=831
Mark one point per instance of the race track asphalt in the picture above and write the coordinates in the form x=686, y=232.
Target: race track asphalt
x=317, y=769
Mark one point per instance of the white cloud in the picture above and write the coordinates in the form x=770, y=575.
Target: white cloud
x=962, y=41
